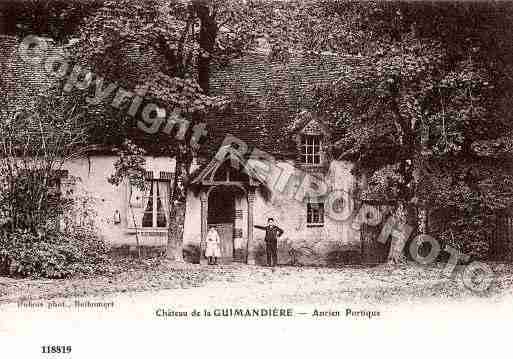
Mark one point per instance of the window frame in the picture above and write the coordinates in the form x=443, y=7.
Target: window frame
x=310, y=146
x=153, y=194
x=315, y=217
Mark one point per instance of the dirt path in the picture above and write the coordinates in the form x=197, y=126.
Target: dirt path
x=254, y=285
x=411, y=292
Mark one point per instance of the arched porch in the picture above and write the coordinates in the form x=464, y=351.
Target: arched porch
x=223, y=186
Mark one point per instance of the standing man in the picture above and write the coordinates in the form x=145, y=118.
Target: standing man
x=272, y=233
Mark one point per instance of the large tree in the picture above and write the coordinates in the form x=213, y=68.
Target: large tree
x=167, y=47
x=436, y=82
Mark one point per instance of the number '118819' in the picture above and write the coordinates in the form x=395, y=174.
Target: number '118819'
x=56, y=349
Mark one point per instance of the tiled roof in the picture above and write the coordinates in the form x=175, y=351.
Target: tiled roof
x=268, y=96
x=265, y=96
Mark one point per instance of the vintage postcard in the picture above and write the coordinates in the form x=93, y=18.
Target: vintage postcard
x=231, y=177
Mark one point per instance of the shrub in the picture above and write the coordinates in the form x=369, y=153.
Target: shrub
x=468, y=233
x=53, y=254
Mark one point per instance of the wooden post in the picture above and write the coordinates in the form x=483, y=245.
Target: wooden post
x=179, y=241
x=204, y=216
x=250, y=246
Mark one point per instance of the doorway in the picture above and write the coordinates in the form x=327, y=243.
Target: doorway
x=221, y=214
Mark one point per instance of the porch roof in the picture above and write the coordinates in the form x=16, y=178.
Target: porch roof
x=205, y=173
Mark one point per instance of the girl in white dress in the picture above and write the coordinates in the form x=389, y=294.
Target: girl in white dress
x=213, y=250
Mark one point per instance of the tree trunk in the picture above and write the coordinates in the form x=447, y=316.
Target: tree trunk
x=178, y=203
x=397, y=244
x=207, y=38
x=177, y=209
x=175, y=232
x=4, y=266
x=3, y=18
x=178, y=199
x=137, y=242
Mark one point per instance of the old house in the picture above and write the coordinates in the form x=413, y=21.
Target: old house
x=308, y=190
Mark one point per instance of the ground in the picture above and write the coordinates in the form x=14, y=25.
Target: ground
x=243, y=284
x=133, y=328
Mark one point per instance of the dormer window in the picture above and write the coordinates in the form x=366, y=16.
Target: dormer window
x=310, y=149
x=312, y=135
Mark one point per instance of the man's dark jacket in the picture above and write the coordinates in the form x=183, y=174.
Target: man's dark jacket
x=271, y=232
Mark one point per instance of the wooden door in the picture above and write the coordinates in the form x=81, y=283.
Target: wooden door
x=225, y=231
x=373, y=252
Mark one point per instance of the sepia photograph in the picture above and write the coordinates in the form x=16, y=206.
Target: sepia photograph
x=203, y=173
